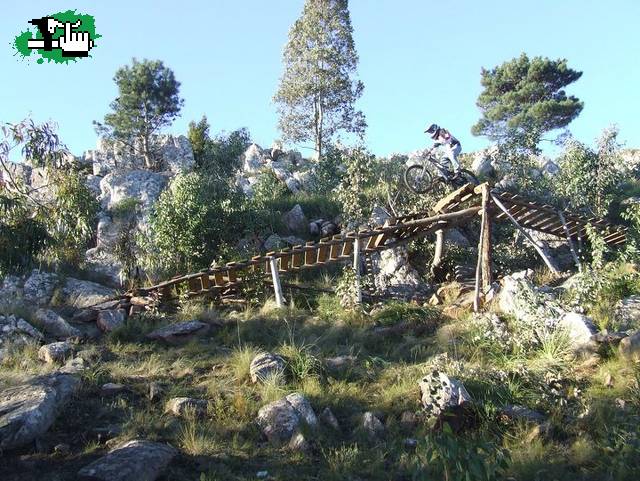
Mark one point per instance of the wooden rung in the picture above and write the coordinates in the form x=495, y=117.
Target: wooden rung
x=336, y=248
x=285, y=260
x=347, y=248
x=232, y=273
x=323, y=250
x=298, y=257
x=204, y=281
x=194, y=285
x=218, y=278
x=311, y=255
x=257, y=268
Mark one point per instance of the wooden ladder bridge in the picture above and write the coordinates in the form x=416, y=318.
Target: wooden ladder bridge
x=460, y=206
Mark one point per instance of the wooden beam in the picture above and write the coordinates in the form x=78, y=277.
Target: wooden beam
x=546, y=260
x=356, y=268
x=275, y=276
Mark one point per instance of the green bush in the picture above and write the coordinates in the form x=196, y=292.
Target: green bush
x=191, y=222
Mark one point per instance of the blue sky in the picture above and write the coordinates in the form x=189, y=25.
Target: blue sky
x=420, y=62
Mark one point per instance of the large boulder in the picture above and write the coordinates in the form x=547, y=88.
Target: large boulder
x=580, y=330
x=296, y=221
x=281, y=421
x=253, y=159
x=39, y=288
x=111, y=319
x=82, y=294
x=142, y=185
x=16, y=331
x=630, y=347
x=395, y=276
x=174, y=154
x=483, y=160
x=28, y=410
x=55, y=325
x=180, y=332
x=136, y=460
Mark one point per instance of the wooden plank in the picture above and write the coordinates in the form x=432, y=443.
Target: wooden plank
x=205, y=281
x=194, y=285
x=347, y=248
x=298, y=257
x=232, y=273
x=285, y=260
x=336, y=248
x=311, y=255
x=219, y=278
x=323, y=250
x=258, y=267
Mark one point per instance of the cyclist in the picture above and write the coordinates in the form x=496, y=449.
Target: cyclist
x=450, y=145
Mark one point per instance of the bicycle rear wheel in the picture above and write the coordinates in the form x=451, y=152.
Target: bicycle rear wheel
x=418, y=179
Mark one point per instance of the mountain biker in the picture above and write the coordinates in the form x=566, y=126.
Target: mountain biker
x=449, y=144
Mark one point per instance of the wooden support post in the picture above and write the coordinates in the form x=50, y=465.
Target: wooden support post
x=437, y=255
x=546, y=259
x=275, y=276
x=482, y=250
x=356, y=268
x=571, y=247
x=486, y=241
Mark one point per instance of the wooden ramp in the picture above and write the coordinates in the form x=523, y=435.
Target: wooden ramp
x=461, y=206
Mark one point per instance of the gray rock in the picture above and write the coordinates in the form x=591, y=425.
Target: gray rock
x=482, y=163
x=372, y=426
x=179, y=332
x=82, y=294
x=328, y=418
x=39, y=287
x=281, y=421
x=443, y=398
x=112, y=389
x=580, y=330
x=16, y=332
x=111, y=319
x=295, y=220
x=55, y=352
x=627, y=314
x=180, y=406
x=155, y=391
x=266, y=365
x=93, y=184
x=136, y=460
x=515, y=412
x=74, y=366
x=273, y=242
x=142, y=185
x=55, y=325
x=408, y=420
x=253, y=159
x=28, y=410
x=395, y=276
x=339, y=363
x=629, y=347
x=456, y=238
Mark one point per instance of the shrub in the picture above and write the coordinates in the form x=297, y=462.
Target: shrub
x=191, y=221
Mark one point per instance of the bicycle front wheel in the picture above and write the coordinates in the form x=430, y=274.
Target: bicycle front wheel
x=418, y=179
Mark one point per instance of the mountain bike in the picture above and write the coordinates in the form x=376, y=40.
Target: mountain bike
x=419, y=178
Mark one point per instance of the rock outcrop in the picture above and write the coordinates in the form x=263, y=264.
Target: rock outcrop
x=180, y=332
x=136, y=460
x=28, y=410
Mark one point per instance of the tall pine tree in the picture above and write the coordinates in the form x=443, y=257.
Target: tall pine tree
x=148, y=100
x=318, y=90
x=524, y=98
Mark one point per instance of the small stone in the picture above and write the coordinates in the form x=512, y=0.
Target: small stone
x=112, y=389
x=608, y=380
x=265, y=365
x=179, y=332
x=372, y=426
x=330, y=419
x=155, y=391
x=62, y=449
x=180, y=406
x=281, y=421
x=516, y=412
x=262, y=474
x=629, y=347
x=410, y=443
x=408, y=420
x=74, y=366
x=339, y=363
x=111, y=319
x=55, y=325
x=55, y=352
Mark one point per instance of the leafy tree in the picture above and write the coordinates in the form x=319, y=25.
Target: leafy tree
x=191, y=222
x=351, y=191
x=588, y=178
x=53, y=222
x=217, y=156
x=148, y=100
x=317, y=91
x=524, y=98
